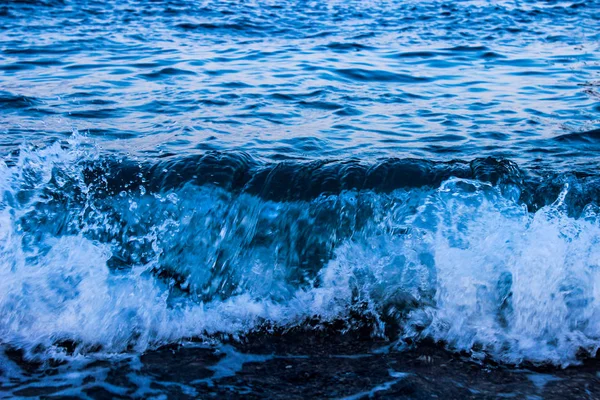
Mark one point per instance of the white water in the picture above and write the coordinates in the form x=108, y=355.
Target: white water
x=464, y=264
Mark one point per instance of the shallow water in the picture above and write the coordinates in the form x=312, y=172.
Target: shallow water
x=422, y=170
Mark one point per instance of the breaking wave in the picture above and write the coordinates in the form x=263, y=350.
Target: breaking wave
x=114, y=255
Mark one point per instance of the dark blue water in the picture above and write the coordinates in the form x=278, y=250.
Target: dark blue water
x=304, y=80
x=176, y=169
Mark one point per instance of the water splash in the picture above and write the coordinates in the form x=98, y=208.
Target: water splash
x=84, y=269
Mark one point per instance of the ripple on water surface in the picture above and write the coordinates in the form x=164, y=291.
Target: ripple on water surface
x=430, y=79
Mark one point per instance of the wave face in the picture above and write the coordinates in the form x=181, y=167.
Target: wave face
x=114, y=255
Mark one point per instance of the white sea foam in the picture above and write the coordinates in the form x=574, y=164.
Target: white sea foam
x=464, y=264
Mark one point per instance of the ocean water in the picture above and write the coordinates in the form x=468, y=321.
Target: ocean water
x=179, y=170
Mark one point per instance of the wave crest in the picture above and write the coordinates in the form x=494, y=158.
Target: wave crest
x=135, y=255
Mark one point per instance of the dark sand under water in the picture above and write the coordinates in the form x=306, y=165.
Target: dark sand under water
x=303, y=364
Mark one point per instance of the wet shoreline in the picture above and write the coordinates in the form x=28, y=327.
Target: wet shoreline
x=302, y=364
